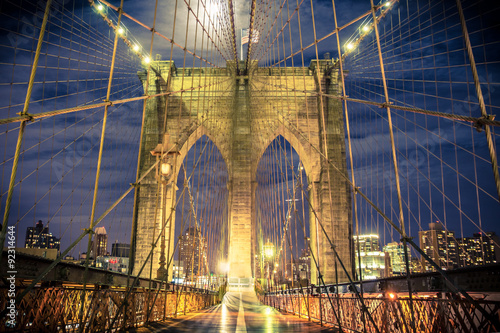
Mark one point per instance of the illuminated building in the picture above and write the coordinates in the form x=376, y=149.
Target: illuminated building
x=367, y=243
x=39, y=237
x=440, y=245
x=111, y=263
x=99, y=243
x=177, y=271
x=480, y=249
x=396, y=254
x=373, y=261
x=192, y=252
x=373, y=264
x=299, y=270
x=305, y=265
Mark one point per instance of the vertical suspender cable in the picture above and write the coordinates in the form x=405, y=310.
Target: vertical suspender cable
x=99, y=160
x=395, y=163
x=22, y=126
x=355, y=207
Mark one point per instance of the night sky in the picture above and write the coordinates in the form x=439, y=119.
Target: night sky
x=444, y=165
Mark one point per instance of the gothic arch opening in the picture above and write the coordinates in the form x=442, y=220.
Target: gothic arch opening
x=309, y=158
x=201, y=220
x=186, y=143
x=281, y=225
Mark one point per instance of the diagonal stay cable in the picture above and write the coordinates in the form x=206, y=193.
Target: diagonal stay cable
x=29, y=117
x=450, y=284
x=87, y=231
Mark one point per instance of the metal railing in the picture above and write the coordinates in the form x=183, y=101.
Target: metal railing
x=433, y=312
x=50, y=308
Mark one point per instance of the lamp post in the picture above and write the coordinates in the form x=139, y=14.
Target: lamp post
x=165, y=174
x=269, y=254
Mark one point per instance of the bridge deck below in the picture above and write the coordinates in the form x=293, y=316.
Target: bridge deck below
x=238, y=312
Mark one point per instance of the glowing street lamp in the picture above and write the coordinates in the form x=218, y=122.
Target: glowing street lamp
x=269, y=250
x=268, y=253
x=136, y=47
x=350, y=46
x=165, y=175
x=100, y=7
x=366, y=28
x=120, y=30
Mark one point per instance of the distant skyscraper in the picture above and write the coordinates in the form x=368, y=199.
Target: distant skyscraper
x=480, y=249
x=99, y=243
x=120, y=250
x=373, y=261
x=305, y=264
x=440, y=245
x=396, y=254
x=416, y=265
x=367, y=243
x=299, y=269
x=39, y=237
x=192, y=252
x=177, y=271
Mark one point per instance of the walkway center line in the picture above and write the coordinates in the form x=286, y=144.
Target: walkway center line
x=240, y=322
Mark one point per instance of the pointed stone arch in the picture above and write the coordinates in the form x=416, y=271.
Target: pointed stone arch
x=190, y=138
x=308, y=156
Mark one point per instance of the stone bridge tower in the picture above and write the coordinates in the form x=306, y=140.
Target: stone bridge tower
x=242, y=116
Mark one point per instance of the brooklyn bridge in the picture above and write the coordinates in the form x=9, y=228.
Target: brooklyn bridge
x=250, y=166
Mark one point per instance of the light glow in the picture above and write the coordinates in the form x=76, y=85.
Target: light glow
x=224, y=267
x=166, y=169
x=366, y=28
x=212, y=9
x=136, y=47
x=350, y=46
x=269, y=249
x=146, y=60
x=388, y=4
x=100, y=7
x=120, y=30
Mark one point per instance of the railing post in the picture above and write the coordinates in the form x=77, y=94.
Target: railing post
x=165, y=304
x=185, y=301
x=300, y=304
x=384, y=317
x=308, y=305
x=320, y=309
